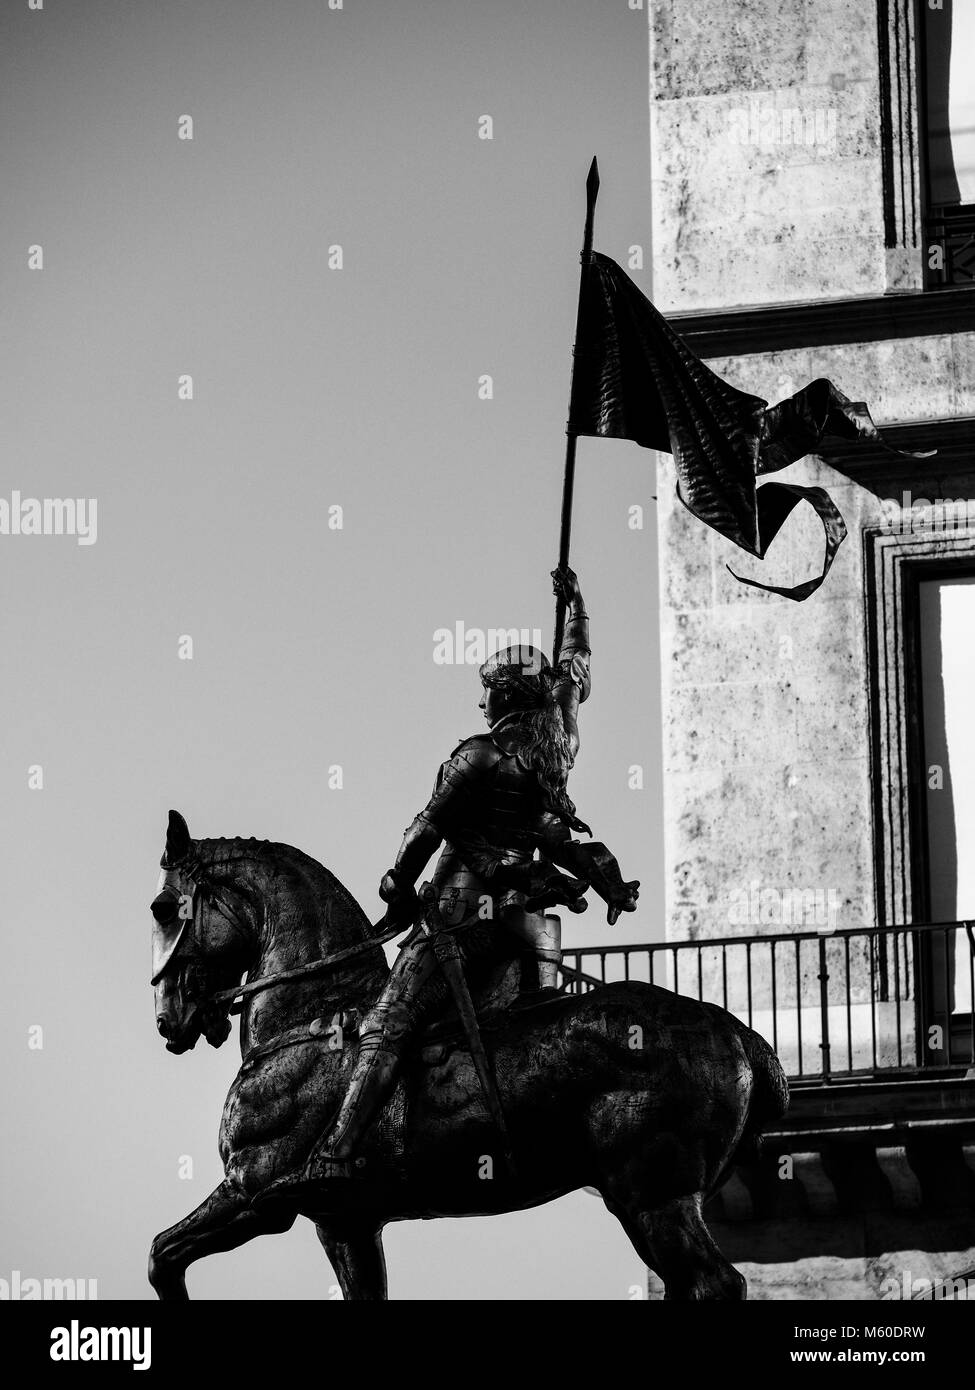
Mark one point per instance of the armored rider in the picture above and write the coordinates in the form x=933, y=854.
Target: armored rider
x=500, y=798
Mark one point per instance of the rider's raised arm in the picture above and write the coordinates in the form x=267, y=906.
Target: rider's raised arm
x=573, y=681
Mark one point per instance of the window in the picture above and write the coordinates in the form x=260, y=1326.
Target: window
x=947, y=72
x=946, y=622
x=920, y=609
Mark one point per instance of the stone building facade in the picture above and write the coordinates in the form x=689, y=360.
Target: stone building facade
x=805, y=225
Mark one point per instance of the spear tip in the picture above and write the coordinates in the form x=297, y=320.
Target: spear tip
x=592, y=189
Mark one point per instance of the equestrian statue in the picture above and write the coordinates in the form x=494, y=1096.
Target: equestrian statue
x=463, y=1080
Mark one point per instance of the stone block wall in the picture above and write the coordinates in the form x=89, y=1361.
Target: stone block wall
x=766, y=163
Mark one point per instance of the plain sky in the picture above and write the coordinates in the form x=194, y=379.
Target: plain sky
x=312, y=647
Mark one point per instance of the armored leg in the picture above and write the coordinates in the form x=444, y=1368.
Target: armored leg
x=548, y=953
x=382, y=1037
x=541, y=937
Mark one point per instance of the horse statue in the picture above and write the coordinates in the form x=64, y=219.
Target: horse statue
x=637, y=1092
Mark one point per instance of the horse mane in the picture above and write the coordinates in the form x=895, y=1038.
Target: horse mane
x=223, y=851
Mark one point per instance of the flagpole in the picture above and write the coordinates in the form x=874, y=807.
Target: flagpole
x=568, y=478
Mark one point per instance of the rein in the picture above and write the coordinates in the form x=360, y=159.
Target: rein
x=301, y=972
x=237, y=997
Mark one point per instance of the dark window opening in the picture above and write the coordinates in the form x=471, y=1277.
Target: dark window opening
x=947, y=67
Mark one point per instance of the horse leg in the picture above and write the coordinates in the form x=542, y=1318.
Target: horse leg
x=222, y=1222
x=355, y=1252
x=674, y=1241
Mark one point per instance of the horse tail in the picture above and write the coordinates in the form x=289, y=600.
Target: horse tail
x=769, y=1099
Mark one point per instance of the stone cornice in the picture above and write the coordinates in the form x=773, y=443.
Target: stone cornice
x=779, y=327
x=871, y=464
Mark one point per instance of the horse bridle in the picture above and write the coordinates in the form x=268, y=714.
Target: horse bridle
x=186, y=942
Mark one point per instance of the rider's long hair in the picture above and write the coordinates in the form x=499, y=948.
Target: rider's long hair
x=526, y=678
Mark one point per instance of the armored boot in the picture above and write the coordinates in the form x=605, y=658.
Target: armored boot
x=372, y=1082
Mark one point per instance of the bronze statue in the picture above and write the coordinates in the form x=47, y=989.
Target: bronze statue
x=462, y=1081
x=513, y=1094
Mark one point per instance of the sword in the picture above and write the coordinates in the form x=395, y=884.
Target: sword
x=447, y=951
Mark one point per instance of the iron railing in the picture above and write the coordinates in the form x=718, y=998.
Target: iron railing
x=833, y=1005
x=952, y=231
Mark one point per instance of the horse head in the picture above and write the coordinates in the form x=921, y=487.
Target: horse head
x=228, y=906
x=202, y=940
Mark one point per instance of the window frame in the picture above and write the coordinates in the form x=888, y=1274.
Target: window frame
x=894, y=567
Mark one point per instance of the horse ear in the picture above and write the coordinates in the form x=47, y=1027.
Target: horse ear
x=177, y=838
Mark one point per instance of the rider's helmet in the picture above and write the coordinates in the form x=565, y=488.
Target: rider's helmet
x=522, y=672
x=526, y=676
